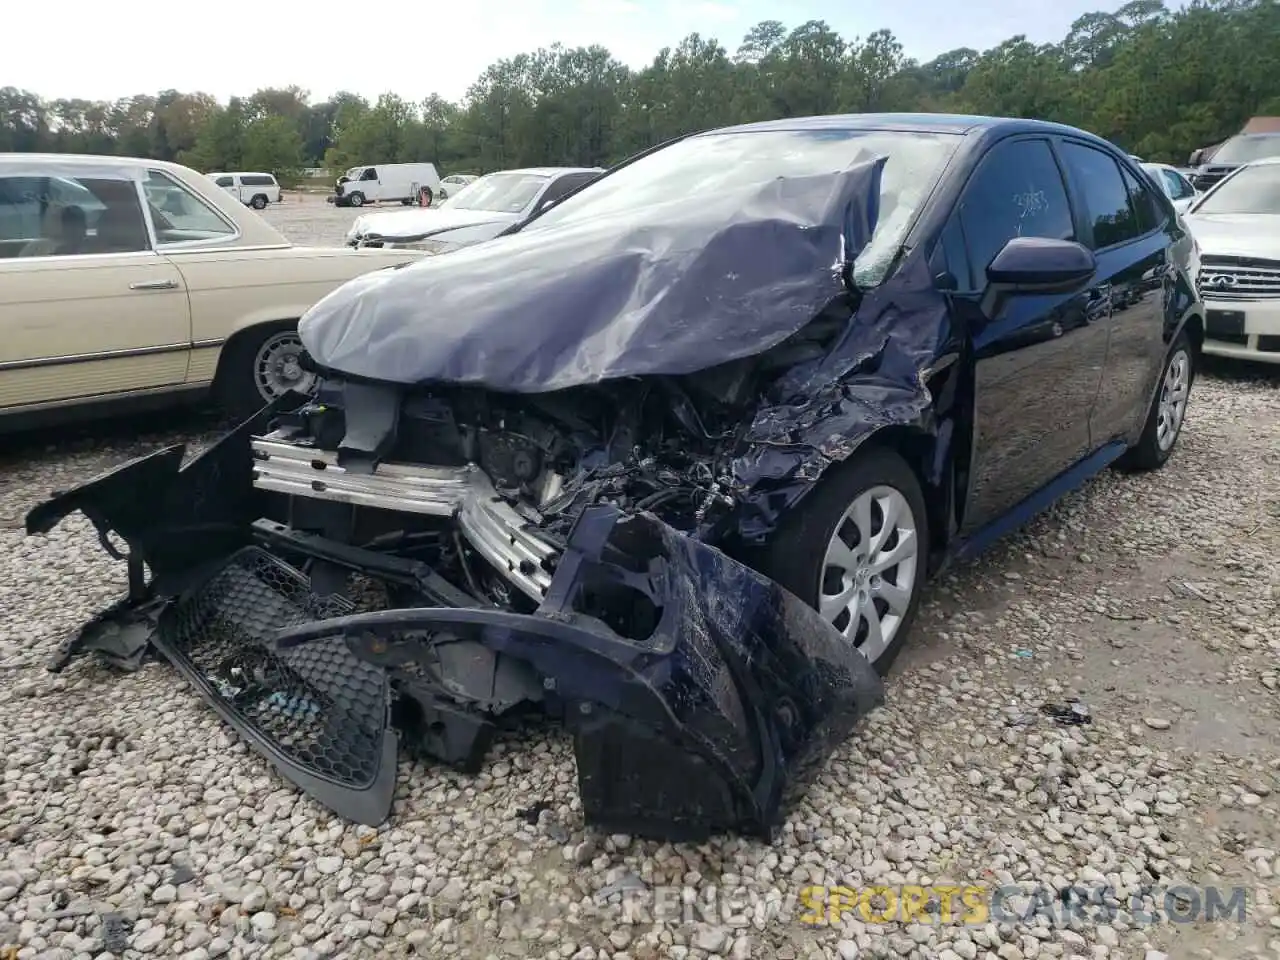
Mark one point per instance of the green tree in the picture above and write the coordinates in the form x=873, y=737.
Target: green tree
x=1158, y=81
x=272, y=144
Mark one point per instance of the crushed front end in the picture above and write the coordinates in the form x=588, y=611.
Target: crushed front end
x=531, y=479
x=381, y=567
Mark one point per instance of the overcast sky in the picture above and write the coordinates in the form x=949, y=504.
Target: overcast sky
x=229, y=49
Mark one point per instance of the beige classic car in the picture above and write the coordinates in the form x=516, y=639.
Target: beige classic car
x=136, y=283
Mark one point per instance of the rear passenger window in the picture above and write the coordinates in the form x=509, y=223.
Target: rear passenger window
x=1148, y=208
x=1106, y=199
x=1017, y=191
x=225, y=182
x=258, y=180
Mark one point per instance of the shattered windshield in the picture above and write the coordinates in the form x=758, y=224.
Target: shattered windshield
x=498, y=193
x=681, y=172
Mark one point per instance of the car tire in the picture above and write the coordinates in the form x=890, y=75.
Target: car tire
x=259, y=202
x=356, y=199
x=1168, y=410
x=250, y=364
x=799, y=553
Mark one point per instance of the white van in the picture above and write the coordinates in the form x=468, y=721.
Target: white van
x=252, y=189
x=384, y=182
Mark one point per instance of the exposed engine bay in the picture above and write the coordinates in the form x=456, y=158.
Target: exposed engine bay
x=517, y=471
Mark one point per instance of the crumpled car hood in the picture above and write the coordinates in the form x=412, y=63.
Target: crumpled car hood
x=672, y=289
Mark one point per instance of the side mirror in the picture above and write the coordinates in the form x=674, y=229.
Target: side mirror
x=1036, y=265
x=1040, y=265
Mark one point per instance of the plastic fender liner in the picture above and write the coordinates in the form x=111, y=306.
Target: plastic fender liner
x=172, y=518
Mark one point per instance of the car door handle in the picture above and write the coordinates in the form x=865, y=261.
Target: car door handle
x=154, y=285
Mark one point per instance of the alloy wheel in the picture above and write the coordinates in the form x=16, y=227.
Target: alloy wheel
x=1172, y=406
x=870, y=569
x=277, y=367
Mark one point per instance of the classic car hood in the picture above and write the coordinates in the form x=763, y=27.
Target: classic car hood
x=1237, y=234
x=670, y=289
x=415, y=224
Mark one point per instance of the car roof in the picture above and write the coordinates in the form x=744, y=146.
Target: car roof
x=88, y=160
x=921, y=122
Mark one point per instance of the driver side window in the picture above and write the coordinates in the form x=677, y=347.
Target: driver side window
x=1017, y=191
x=180, y=215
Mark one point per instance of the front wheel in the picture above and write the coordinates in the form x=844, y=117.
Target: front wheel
x=856, y=551
x=1168, y=411
x=260, y=366
x=357, y=200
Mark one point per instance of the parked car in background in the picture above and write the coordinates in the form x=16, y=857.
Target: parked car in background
x=671, y=461
x=1174, y=184
x=1237, y=225
x=252, y=189
x=451, y=184
x=484, y=208
x=386, y=182
x=1234, y=153
x=130, y=282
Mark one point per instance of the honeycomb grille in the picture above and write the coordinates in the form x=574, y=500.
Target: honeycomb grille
x=316, y=704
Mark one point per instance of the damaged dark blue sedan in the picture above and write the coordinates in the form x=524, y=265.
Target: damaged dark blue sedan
x=669, y=463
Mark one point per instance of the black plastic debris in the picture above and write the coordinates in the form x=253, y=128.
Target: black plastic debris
x=530, y=814
x=1071, y=714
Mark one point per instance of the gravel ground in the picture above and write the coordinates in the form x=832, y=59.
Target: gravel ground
x=1153, y=600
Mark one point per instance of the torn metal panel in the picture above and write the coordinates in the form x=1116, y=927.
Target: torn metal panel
x=874, y=377
x=668, y=292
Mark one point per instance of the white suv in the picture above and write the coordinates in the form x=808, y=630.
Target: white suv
x=252, y=189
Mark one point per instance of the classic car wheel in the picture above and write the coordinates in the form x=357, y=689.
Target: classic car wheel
x=357, y=200
x=260, y=368
x=1168, y=411
x=259, y=202
x=856, y=550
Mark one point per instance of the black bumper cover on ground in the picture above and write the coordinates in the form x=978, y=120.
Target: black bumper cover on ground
x=701, y=695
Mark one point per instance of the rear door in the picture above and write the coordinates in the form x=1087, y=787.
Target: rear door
x=1038, y=360
x=87, y=307
x=1127, y=229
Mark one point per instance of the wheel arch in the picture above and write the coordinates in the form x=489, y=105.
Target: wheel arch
x=234, y=342
x=920, y=448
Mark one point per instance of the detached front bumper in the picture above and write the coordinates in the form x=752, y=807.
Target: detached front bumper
x=701, y=696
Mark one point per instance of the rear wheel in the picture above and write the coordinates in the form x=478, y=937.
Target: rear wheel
x=1168, y=411
x=856, y=551
x=260, y=366
x=259, y=202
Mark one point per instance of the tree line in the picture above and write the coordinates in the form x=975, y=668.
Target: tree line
x=1158, y=82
